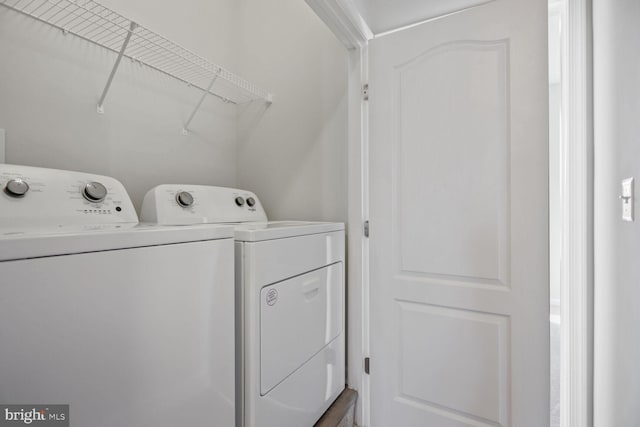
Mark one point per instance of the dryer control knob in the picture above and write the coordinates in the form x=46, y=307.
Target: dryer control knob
x=184, y=199
x=251, y=201
x=94, y=192
x=16, y=187
x=239, y=201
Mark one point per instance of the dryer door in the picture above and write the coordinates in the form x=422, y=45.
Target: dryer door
x=299, y=316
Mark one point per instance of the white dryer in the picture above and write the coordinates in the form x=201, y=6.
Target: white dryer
x=290, y=302
x=128, y=324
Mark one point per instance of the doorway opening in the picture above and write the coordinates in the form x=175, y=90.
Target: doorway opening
x=555, y=204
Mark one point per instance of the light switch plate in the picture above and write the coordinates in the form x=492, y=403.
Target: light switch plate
x=627, y=199
x=2, y=146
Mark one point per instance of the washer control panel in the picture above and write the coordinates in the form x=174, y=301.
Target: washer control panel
x=173, y=204
x=40, y=197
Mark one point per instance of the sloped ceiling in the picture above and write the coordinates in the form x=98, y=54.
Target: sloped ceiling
x=387, y=15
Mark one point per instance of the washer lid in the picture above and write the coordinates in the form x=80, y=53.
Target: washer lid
x=259, y=231
x=34, y=242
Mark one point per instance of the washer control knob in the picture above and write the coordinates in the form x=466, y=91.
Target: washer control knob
x=94, y=192
x=16, y=187
x=251, y=201
x=184, y=199
x=239, y=201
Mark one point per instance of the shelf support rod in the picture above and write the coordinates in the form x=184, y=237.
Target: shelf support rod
x=185, y=129
x=132, y=27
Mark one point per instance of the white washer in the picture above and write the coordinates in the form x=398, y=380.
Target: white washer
x=290, y=300
x=130, y=325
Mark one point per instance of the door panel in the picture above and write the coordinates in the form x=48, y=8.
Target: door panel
x=461, y=366
x=461, y=191
x=459, y=208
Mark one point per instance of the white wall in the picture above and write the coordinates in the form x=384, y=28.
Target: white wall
x=206, y=27
x=50, y=84
x=294, y=154
x=617, y=243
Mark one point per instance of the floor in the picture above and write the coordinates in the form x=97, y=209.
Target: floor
x=342, y=412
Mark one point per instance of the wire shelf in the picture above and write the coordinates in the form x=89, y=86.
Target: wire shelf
x=100, y=25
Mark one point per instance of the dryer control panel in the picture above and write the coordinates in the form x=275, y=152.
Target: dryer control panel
x=173, y=204
x=49, y=197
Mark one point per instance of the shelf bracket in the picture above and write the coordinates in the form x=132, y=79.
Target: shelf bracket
x=185, y=128
x=132, y=27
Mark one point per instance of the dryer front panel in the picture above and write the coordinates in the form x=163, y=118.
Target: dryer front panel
x=298, y=318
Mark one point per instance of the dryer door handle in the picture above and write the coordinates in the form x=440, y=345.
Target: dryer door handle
x=311, y=293
x=311, y=289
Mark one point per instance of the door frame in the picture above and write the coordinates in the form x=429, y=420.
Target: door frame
x=576, y=288
x=343, y=19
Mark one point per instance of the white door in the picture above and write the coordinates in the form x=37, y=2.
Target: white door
x=459, y=220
